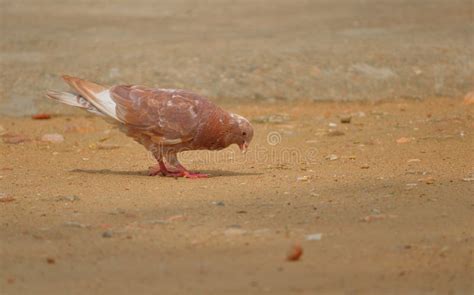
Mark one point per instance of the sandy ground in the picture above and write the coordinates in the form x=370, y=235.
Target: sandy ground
x=390, y=193
x=253, y=50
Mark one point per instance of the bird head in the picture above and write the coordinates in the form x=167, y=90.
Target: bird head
x=241, y=133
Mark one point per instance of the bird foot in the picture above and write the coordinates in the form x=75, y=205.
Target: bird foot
x=186, y=174
x=161, y=170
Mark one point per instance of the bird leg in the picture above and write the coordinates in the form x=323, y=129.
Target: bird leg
x=159, y=168
x=181, y=171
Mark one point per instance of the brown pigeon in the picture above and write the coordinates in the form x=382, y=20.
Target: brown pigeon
x=165, y=121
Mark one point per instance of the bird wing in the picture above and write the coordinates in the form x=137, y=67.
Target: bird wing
x=167, y=115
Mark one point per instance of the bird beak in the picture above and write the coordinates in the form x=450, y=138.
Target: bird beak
x=243, y=147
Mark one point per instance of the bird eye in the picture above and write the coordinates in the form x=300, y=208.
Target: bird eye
x=244, y=133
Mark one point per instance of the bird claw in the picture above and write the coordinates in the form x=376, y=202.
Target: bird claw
x=161, y=170
x=196, y=175
x=186, y=174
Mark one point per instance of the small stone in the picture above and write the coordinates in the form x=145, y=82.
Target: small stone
x=155, y=221
x=335, y=133
x=332, y=125
x=468, y=179
x=427, y=180
x=295, y=252
x=332, y=157
x=273, y=119
x=262, y=231
x=374, y=217
x=303, y=178
x=70, y=198
x=218, y=203
x=75, y=224
x=403, y=140
x=414, y=161
x=79, y=128
x=105, y=146
x=53, y=138
x=234, y=232
x=50, y=260
x=346, y=119
x=314, y=237
x=42, y=116
x=469, y=98
x=4, y=198
x=14, y=138
x=107, y=234
x=365, y=166
x=176, y=218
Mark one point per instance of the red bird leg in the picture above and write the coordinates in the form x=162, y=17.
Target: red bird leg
x=181, y=171
x=159, y=168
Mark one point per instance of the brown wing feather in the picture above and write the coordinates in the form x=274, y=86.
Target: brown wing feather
x=170, y=114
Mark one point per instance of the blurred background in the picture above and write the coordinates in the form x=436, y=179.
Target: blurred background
x=238, y=50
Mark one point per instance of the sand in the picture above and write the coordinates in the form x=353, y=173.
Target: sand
x=381, y=205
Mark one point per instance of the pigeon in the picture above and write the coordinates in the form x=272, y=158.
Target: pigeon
x=164, y=121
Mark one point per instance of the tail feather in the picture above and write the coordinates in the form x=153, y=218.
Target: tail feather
x=91, y=96
x=73, y=100
x=97, y=95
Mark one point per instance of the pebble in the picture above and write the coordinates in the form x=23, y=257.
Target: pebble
x=414, y=160
x=79, y=128
x=50, y=260
x=107, y=234
x=403, y=140
x=234, y=232
x=218, y=203
x=332, y=125
x=335, y=133
x=42, y=116
x=70, y=198
x=176, y=218
x=303, y=178
x=275, y=119
x=53, y=138
x=75, y=224
x=4, y=198
x=469, y=98
x=427, y=180
x=14, y=138
x=314, y=237
x=262, y=231
x=365, y=166
x=294, y=253
x=468, y=179
x=105, y=146
x=332, y=157
x=374, y=217
x=346, y=119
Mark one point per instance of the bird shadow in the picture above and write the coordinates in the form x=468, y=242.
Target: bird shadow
x=212, y=173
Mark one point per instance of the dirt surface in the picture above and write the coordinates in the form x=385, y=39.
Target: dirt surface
x=253, y=50
x=382, y=205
